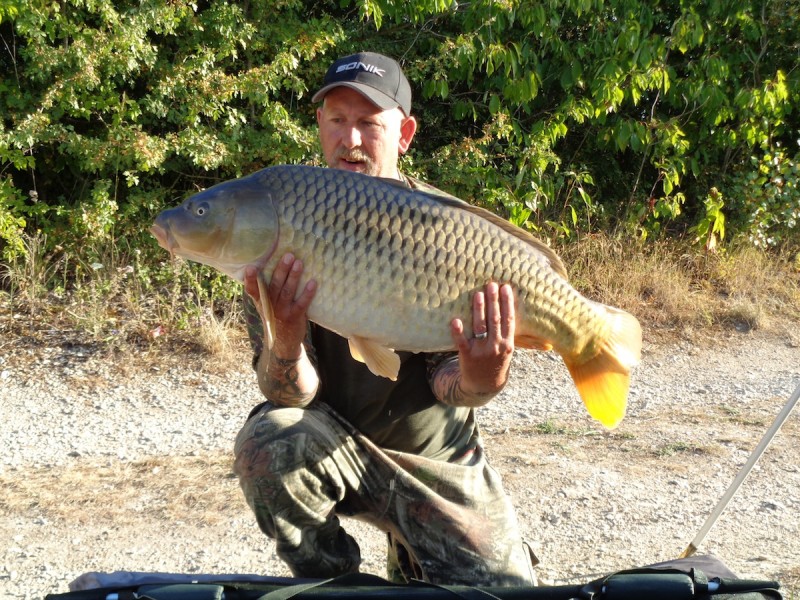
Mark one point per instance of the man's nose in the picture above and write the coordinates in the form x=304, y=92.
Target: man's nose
x=351, y=137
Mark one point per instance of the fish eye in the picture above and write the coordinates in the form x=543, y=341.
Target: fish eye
x=201, y=209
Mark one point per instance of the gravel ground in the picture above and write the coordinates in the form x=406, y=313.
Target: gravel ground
x=589, y=501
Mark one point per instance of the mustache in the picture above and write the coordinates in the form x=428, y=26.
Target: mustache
x=352, y=155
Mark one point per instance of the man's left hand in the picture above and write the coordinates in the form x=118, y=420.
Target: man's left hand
x=485, y=358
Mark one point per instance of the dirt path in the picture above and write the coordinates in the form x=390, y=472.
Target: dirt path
x=125, y=464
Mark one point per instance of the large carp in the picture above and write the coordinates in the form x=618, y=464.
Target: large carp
x=394, y=266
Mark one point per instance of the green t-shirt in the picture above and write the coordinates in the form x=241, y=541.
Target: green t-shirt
x=400, y=415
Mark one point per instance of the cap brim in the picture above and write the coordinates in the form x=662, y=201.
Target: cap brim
x=378, y=98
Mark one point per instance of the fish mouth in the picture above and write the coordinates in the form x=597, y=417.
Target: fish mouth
x=163, y=238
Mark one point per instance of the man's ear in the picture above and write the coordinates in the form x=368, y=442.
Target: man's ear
x=407, y=130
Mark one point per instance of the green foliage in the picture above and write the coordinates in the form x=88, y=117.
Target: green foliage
x=768, y=199
x=112, y=110
x=587, y=114
x=711, y=227
x=12, y=224
x=9, y=9
x=567, y=117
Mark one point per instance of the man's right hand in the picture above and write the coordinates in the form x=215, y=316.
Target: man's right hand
x=289, y=309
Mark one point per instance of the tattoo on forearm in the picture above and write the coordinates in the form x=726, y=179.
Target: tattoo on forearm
x=447, y=387
x=280, y=382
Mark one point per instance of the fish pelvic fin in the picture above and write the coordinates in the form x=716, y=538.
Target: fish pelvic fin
x=267, y=314
x=382, y=361
x=603, y=381
x=531, y=342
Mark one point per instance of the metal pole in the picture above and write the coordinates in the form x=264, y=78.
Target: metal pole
x=743, y=473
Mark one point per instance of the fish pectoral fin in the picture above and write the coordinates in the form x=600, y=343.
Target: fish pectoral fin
x=532, y=343
x=379, y=359
x=603, y=387
x=267, y=314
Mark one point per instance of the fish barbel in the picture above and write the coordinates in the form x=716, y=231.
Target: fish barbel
x=394, y=266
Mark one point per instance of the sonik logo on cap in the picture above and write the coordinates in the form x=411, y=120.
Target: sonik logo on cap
x=360, y=65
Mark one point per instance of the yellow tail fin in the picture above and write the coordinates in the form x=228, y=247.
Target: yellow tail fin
x=603, y=386
x=603, y=381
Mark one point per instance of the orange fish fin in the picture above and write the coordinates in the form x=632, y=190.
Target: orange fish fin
x=603, y=388
x=532, y=343
x=267, y=314
x=603, y=381
x=379, y=359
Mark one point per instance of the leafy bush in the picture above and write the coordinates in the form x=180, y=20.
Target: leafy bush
x=566, y=117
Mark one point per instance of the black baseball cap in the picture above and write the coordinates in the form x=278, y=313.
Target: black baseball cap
x=379, y=78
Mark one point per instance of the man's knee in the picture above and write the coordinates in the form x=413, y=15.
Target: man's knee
x=258, y=449
x=277, y=440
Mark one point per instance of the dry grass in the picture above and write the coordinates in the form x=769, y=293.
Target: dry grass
x=220, y=336
x=120, y=303
x=199, y=490
x=667, y=285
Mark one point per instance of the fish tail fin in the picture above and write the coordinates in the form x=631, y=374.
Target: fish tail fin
x=604, y=380
x=603, y=386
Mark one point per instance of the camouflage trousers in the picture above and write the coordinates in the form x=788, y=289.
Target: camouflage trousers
x=447, y=523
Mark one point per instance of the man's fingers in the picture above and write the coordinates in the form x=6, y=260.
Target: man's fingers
x=304, y=299
x=457, y=333
x=492, y=310
x=280, y=275
x=284, y=287
x=507, y=312
x=289, y=289
x=479, y=326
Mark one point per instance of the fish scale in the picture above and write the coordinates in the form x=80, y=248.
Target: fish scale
x=394, y=266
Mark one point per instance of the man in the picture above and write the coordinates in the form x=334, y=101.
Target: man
x=333, y=439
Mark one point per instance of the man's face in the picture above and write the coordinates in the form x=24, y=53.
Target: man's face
x=358, y=136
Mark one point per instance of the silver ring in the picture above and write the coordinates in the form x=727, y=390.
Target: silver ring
x=481, y=336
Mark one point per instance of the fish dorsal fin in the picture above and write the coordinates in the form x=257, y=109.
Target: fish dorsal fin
x=417, y=186
x=379, y=359
x=398, y=183
x=625, y=343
